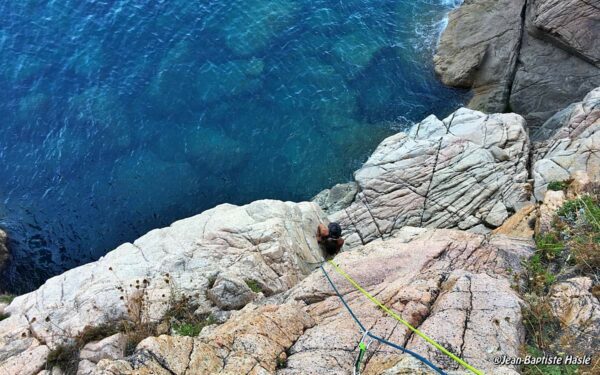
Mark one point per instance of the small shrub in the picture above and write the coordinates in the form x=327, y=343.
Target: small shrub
x=187, y=329
x=549, y=246
x=194, y=326
x=65, y=357
x=281, y=362
x=97, y=333
x=254, y=286
x=558, y=185
x=539, y=322
x=580, y=220
x=3, y=316
x=538, y=275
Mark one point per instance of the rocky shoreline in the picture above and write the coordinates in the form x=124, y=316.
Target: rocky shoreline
x=437, y=224
x=452, y=224
x=525, y=56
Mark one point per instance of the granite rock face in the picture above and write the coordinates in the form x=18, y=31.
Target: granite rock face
x=531, y=57
x=578, y=311
x=479, y=50
x=450, y=284
x=539, y=89
x=574, y=148
x=572, y=24
x=571, y=121
x=468, y=170
x=269, y=242
x=337, y=198
x=112, y=347
x=251, y=342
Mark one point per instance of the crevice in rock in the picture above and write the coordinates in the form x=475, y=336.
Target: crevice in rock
x=362, y=240
x=189, y=360
x=441, y=281
x=366, y=204
x=437, y=155
x=467, y=316
x=161, y=362
x=517, y=62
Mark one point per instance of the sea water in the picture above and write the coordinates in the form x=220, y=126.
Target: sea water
x=120, y=116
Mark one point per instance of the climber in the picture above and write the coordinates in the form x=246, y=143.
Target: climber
x=330, y=238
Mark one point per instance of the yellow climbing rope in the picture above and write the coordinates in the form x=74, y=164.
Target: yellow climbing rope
x=398, y=318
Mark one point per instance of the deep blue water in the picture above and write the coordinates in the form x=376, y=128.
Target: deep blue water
x=121, y=116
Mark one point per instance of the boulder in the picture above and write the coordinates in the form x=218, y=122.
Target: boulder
x=467, y=170
x=572, y=150
x=270, y=242
x=479, y=50
x=337, y=198
x=553, y=200
x=578, y=311
x=429, y=276
x=230, y=293
x=31, y=361
x=86, y=367
x=112, y=347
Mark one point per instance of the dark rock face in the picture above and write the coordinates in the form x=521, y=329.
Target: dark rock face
x=571, y=24
x=529, y=57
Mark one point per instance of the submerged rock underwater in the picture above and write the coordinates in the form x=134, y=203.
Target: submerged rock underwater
x=120, y=117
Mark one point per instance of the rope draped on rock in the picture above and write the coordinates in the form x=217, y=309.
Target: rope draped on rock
x=377, y=338
x=399, y=319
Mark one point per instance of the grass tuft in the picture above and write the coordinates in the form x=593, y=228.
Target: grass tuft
x=6, y=298
x=254, y=286
x=558, y=185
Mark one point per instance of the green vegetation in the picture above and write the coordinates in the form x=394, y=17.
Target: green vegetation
x=6, y=298
x=187, y=329
x=3, y=316
x=254, y=286
x=547, y=369
x=558, y=185
x=194, y=327
x=571, y=246
x=281, y=362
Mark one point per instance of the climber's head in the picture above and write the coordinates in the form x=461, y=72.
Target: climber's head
x=335, y=230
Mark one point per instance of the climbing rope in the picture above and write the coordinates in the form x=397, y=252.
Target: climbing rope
x=398, y=318
x=374, y=337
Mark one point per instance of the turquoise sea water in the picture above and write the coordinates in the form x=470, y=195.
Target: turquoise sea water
x=119, y=116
